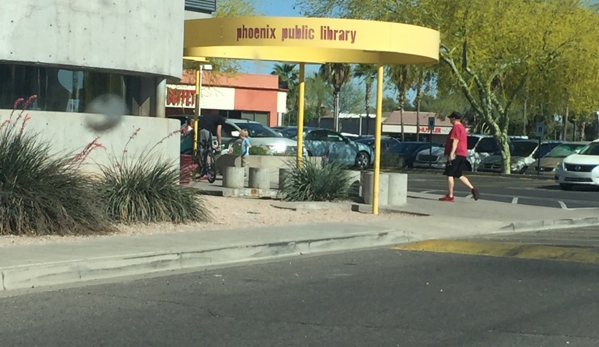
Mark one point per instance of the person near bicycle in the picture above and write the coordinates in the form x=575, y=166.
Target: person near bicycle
x=210, y=125
x=245, y=149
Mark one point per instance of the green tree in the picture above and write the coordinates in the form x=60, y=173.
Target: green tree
x=389, y=104
x=336, y=75
x=318, y=92
x=367, y=73
x=288, y=79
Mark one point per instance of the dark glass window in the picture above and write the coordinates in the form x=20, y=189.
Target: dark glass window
x=61, y=90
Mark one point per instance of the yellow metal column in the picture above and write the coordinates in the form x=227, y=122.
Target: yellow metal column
x=377, y=141
x=300, y=115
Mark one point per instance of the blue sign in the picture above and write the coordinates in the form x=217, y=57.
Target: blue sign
x=540, y=129
x=431, y=122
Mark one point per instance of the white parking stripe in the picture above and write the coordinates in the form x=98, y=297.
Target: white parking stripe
x=468, y=196
x=563, y=205
x=427, y=191
x=514, y=200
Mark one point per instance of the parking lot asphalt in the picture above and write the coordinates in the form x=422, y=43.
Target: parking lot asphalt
x=514, y=190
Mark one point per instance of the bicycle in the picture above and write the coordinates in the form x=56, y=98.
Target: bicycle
x=206, y=150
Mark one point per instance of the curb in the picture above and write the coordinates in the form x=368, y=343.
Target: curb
x=549, y=224
x=82, y=270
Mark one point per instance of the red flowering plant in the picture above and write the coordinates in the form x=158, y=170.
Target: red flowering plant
x=42, y=193
x=144, y=188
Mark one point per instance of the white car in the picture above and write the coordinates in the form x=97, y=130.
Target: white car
x=581, y=168
x=260, y=136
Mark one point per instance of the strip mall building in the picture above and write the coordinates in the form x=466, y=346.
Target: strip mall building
x=241, y=96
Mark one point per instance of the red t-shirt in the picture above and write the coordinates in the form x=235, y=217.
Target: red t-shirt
x=458, y=132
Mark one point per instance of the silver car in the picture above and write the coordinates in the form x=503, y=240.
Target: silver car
x=260, y=136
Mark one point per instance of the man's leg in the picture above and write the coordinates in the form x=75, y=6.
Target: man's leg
x=450, y=186
x=466, y=181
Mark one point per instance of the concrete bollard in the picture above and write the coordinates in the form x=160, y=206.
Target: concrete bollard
x=398, y=189
x=234, y=177
x=259, y=178
x=355, y=185
x=367, y=188
x=282, y=176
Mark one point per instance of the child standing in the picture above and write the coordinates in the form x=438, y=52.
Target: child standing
x=245, y=149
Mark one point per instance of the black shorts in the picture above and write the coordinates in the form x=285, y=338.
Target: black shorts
x=456, y=167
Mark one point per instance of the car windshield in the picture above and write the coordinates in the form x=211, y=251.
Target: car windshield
x=407, y=147
x=591, y=149
x=522, y=148
x=289, y=132
x=258, y=130
x=472, y=141
x=564, y=150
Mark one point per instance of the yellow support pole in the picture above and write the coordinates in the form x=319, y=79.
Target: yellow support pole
x=377, y=141
x=300, y=114
x=196, y=112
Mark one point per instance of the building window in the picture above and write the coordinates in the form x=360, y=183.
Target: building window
x=204, y=6
x=260, y=117
x=61, y=90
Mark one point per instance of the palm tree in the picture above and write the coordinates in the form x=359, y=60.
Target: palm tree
x=288, y=79
x=368, y=73
x=336, y=75
x=399, y=76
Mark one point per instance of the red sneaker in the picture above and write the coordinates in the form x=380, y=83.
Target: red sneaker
x=447, y=198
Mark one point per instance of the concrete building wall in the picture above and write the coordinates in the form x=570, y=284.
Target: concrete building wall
x=137, y=36
x=68, y=133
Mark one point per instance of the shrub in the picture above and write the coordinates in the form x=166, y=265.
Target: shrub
x=146, y=190
x=41, y=193
x=313, y=181
x=391, y=161
x=254, y=150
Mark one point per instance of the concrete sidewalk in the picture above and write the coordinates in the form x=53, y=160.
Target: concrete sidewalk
x=118, y=256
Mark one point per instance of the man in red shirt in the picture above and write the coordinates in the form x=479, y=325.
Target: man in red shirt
x=456, y=150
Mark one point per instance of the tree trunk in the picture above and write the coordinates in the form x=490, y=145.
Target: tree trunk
x=367, y=101
x=418, y=118
x=402, y=97
x=565, y=135
x=418, y=100
x=525, y=121
x=504, y=145
x=583, y=130
x=336, y=110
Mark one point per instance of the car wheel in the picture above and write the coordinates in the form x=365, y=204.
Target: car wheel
x=362, y=160
x=566, y=186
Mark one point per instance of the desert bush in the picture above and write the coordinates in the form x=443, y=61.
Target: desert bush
x=391, y=161
x=43, y=193
x=147, y=190
x=314, y=181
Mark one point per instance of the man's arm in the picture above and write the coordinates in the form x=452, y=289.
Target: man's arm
x=219, y=127
x=454, y=147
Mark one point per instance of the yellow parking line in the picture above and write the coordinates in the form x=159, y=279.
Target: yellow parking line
x=505, y=249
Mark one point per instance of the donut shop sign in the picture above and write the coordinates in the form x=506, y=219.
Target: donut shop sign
x=297, y=32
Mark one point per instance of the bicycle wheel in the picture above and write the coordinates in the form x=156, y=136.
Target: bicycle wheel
x=211, y=168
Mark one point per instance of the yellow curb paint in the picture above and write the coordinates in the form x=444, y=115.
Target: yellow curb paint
x=505, y=249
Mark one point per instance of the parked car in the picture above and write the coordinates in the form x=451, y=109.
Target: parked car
x=386, y=142
x=548, y=163
x=408, y=150
x=260, y=136
x=580, y=168
x=523, y=154
x=334, y=146
x=479, y=147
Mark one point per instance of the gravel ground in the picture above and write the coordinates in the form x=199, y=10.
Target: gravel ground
x=229, y=213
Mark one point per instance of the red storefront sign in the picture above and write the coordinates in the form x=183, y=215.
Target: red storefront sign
x=436, y=130
x=181, y=96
